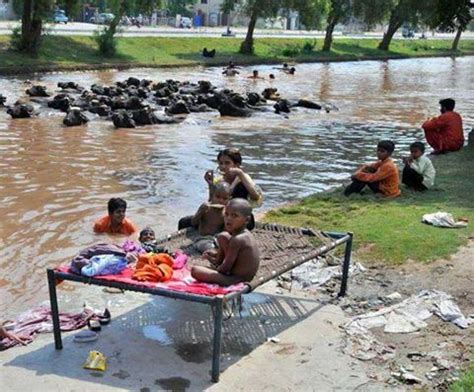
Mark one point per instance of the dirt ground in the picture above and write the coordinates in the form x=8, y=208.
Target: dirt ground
x=282, y=340
x=435, y=354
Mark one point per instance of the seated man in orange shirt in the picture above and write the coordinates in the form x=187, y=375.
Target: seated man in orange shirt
x=381, y=176
x=444, y=133
x=115, y=222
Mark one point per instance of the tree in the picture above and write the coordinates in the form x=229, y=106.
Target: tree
x=452, y=16
x=403, y=11
x=179, y=7
x=339, y=10
x=312, y=13
x=72, y=7
x=33, y=13
x=106, y=39
x=254, y=9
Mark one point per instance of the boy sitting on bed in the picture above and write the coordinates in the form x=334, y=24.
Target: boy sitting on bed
x=209, y=218
x=237, y=258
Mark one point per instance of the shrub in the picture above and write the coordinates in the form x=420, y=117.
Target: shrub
x=16, y=41
x=106, y=42
x=291, y=51
x=309, y=46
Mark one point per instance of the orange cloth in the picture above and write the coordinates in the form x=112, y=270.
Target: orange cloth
x=103, y=225
x=153, y=267
x=386, y=174
x=444, y=133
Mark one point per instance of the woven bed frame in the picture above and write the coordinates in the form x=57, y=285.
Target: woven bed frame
x=282, y=248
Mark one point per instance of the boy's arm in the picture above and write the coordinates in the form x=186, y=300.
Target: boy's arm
x=230, y=257
x=382, y=173
x=199, y=214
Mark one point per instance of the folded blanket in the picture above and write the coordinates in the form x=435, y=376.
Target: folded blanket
x=181, y=281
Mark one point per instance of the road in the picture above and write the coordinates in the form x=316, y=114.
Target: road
x=167, y=31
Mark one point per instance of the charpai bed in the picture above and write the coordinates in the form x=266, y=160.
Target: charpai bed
x=282, y=249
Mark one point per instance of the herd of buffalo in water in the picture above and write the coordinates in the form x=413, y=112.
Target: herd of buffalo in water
x=136, y=102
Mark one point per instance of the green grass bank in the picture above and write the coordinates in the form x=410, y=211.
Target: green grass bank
x=466, y=383
x=391, y=230
x=79, y=52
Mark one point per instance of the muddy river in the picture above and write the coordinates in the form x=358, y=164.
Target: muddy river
x=55, y=181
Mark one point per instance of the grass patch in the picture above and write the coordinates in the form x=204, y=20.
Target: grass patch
x=65, y=52
x=466, y=383
x=391, y=230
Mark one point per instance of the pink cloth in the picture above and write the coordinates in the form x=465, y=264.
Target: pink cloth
x=181, y=281
x=39, y=319
x=180, y=259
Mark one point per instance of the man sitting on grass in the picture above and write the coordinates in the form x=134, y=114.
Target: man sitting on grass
x=381, y=176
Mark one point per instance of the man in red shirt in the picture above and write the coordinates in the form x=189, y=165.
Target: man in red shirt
x=444, y=133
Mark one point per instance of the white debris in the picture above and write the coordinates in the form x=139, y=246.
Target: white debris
x=442, y=219
x=273, y=339
x=405, y=317
x=394, y=296
x=317, y=273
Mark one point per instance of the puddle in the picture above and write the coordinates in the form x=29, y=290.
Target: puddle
x=157, y=333
x=175, y=384
x=194, y=352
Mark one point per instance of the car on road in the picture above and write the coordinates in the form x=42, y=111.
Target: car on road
x=408, y=32
x=60, y=17
x=185, y=22
x=103, y=18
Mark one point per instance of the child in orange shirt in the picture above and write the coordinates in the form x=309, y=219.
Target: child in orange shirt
x=381, y=176
x=115, y=222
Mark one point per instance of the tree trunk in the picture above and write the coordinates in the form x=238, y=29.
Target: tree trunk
x=454, y=47
x=332, y=22
x=393, y=25
x=247, y=45
x=31, y=26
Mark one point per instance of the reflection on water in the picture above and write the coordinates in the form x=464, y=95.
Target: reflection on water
x=55, y=181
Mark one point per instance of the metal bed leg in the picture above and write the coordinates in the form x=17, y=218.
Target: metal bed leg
x=54, y=309
x=345, y=266
x=216, y=351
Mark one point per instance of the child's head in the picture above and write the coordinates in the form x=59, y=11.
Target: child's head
x=417, y=149
x=385, y=149
x=117, y=207
x=292, y=70
x=255, y=73
x=272, y=76
x=229, y=158
x=447, y=105
x=147, y=235
x=285, y=65
x=221, y=193
x=236, y=215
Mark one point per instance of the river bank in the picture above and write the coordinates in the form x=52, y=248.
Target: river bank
x=73, y=53
x=391, y=231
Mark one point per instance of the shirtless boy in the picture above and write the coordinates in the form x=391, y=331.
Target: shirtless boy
x=209, y=218
x=237, y=258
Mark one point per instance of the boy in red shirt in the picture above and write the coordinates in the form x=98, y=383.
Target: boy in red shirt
x=115, y=222
x=381, y=176
x=444, y=133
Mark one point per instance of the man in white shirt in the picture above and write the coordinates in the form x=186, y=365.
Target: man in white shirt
x=418, y=172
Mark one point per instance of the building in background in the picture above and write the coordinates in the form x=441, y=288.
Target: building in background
x=208, y=13
x=6, y=10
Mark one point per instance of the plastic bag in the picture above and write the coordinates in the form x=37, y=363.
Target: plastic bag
x=95, y=361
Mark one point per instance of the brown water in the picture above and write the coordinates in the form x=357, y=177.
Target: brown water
x=55, y=181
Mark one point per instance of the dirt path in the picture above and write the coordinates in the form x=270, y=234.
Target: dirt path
x=438, y=351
